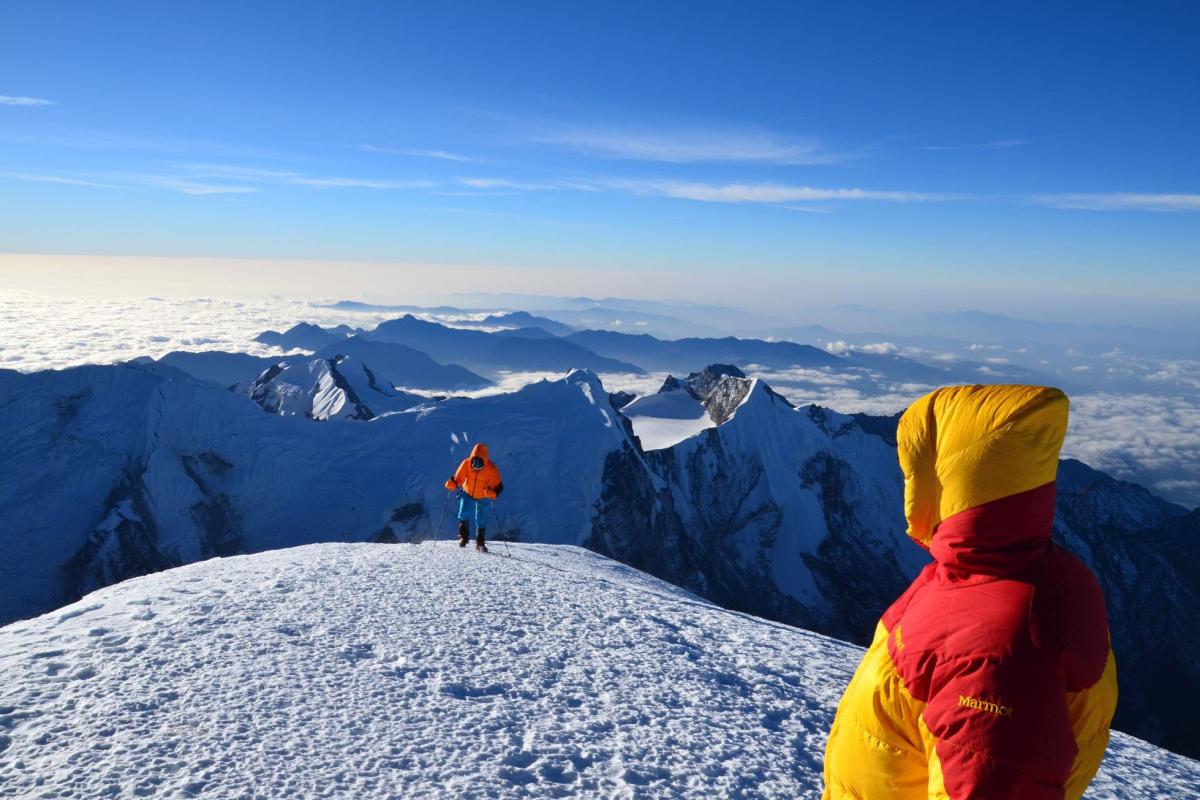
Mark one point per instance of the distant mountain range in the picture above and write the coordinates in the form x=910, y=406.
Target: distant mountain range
x=404, y=366
x=490, y=354
x=395, y=363
x=677, y=355
x=218, y=367
x=305, y=336
x=542, y=349
x=681, y=320
x=518, y=320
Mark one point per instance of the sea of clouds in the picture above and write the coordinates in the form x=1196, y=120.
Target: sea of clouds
x=1149, y=436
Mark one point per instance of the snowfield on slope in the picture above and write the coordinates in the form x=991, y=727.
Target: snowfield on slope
x=667, y=418
x=359, y=670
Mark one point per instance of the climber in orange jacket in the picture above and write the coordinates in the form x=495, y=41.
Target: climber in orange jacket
x=478, y=482
x=992, y=676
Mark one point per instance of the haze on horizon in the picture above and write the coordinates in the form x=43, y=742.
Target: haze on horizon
x=1037, y=162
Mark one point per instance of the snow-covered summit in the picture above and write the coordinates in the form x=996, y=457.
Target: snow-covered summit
x=342, y=387
x=426, y=671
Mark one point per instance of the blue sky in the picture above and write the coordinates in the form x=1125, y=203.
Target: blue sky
x=1023, y=158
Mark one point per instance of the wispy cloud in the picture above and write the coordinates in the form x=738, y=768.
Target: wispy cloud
x=215, y=179
x=61, y=179
x=1121, y=201
x=773, y=192
x=766, y=193
x=195, y=188
x=90, y=139
x=687, y=146
x=418, y=153
x=131, y=180
x=509, y=183
x=359, y=183
x=255, y=175
x=10, y=100
x=995, y=144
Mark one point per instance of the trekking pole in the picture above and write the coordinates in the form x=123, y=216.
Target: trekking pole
x=442, y=518
x=499, y=527
x=438, y=531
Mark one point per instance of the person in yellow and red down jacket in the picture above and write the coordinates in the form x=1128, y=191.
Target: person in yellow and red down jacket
x=992, y=676
x=478, y=482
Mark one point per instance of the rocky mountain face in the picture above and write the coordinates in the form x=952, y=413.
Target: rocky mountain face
x=794, y=514
x=341, y=387
x=720, y=388
x=1146, y=553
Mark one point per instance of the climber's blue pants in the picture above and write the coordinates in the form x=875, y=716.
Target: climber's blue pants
x=479, y=509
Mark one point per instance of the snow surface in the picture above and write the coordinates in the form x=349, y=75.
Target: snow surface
x=357, y=670
x=667, y=418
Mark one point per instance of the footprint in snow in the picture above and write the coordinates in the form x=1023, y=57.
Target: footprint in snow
x=48, y=654
x=79, y=612
x=520, y=759
x=520, y=777
x=646, y=776
x=775, y=718
x=557, y=773
x=462, y=691
x=358, y=652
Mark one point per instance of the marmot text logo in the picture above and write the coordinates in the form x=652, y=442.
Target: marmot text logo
x=984, y=705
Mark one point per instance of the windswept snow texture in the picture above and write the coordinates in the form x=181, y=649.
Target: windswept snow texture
x=355, y=670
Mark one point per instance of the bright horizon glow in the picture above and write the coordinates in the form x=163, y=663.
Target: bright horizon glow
x=431, y=283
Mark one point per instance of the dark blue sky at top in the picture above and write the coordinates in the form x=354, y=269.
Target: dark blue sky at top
x=1016, y=145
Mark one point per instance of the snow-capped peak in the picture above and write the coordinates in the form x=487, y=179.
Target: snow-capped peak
x=684, y=407
x=341, y=387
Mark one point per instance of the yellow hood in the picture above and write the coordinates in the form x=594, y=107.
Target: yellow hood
x=963, y=446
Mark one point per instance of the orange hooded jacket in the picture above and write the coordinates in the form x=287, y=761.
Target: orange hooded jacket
x=992, y=675
x=481, y=483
